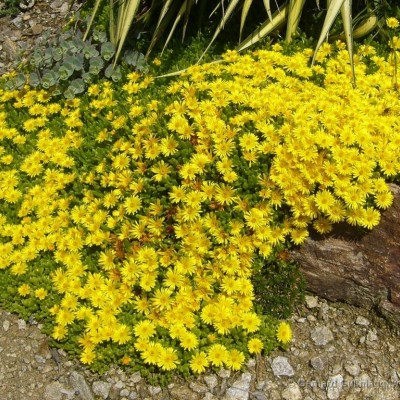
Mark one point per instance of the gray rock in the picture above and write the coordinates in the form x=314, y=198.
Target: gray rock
x=26, y=5
x=154, y=390
x=334, y=387
x=317, y=363
x=224, y=373
x=211, y=381
x=53, y=391
x=101, y=388
x=352, y=369
x=321, y=335
x=17, y=21
x=198, y=387
x=183, y=393
x=281, y=367
x=56, y=4
x=78, y=382
x=240, y=388
x=292, y=392
x=124, y=393
x=135, y=378
x=21, y=324
x=6, y=325
x=259, y=395
x=362, y=321
x=311, y=302
x=40, y=359
x=133, y=396
x=64, y=8
x=372, y=336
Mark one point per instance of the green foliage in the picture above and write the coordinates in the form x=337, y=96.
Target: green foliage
x=10, y=7
x=279, y=285
x=69, y=64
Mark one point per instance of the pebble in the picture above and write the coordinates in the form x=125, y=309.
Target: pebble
x=240, y=388
x=21, y=324
x=211, y=381
x=334, y=387
x=317, y=363
x=292, y=392
x=352, y=369
x=321, y=335
x=311, y=302
x=362, y=321
x=281, y=367
x=78, y=382
x=6, y=325
x=372, y=336
x=101, y=388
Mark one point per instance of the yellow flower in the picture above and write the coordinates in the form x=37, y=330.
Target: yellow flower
x=284, y=333
x=217, y=355
x=199, y=362
x=145, y=329
x=255, y=346
x=167, y=359
x=24, y=290
x=392, y=22
x=41, y=293
x=235, y=359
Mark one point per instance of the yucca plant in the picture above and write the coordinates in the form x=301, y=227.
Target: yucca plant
x=163, y=18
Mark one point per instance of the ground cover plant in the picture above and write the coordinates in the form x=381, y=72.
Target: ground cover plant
x=133, y=217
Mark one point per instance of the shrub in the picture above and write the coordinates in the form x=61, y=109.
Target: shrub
x=134, y=215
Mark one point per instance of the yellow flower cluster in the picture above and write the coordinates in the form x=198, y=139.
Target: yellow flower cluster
x=154, y=210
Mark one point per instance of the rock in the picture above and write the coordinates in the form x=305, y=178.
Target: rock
x=292, y=392
x=365, y=382
x=133, y=396
x=334, y=387
x=359, y=268
x=281, y=367
x=135, y=378
x=258, y=395
x=18, y=22
x=6, y=325
x=372, y=336
x=352, y=369
x=101, y=388
x=124, y=393
x=21, y=324
x=211, y=381
x=198, y=387
x=321, y=335
x=37, y=29
x=224, y=373
x=317, y=363
x=78, y=382
x=183, y=393
x=53, y=391
x=26, y=5
x=362, y=321
x=240, y=388
x=64, y=8
x=311, y=301
x=154, y=390
x=56, y=4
